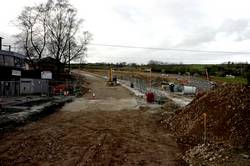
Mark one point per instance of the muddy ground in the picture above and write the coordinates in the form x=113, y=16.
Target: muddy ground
x=108, y=130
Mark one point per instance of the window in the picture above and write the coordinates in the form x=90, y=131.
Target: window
x=17, y=62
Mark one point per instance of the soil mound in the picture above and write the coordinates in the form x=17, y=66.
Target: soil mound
x=228, y=117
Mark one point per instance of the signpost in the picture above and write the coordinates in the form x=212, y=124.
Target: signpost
x=46, y=75
x=16, y=72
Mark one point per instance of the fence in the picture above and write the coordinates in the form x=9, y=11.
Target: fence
x=65, y=87
x=9, y=88
x=139, y=84
x=26, y=86
x=144, y=86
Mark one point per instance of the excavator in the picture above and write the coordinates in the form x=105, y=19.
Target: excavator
x=112, y=80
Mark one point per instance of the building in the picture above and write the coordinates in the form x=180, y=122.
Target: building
x=16, y=79
x=11, y=66
x=47, y=64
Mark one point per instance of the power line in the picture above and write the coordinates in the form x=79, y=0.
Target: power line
x=169, y=49
x=163, y=49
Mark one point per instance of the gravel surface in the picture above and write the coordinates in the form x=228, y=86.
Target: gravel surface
x=106, y=130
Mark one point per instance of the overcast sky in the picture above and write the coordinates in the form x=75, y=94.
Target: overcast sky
x=217, y=25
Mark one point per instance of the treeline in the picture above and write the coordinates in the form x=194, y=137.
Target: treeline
x=221, y=70
x=120, y=66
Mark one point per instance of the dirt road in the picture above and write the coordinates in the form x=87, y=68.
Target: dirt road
x=109, y=130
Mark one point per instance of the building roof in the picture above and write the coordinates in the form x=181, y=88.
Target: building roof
x=10, y=53
x=48, y=60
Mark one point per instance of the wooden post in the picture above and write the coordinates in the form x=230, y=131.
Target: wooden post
x=207, y=74
x=150, y=79
x=110, y=75
x=205, y=128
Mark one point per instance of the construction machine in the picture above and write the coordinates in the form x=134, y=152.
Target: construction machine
x=112, y=80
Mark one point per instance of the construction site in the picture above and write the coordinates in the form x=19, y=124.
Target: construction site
x=136, y=83
x=124, y=118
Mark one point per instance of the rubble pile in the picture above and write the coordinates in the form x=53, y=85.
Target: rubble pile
x=228, y=117
x=170, y=106
x=215, y=154
x=205, y=154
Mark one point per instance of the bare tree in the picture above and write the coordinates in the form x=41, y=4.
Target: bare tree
x=77, y=48
x=52, y=29
x=33, y=25
x=65, y=42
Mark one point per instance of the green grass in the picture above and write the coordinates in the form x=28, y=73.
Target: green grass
x=198, y=67
x=236, y=80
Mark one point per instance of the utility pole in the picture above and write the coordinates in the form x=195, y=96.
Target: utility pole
x=69, y=68
x=69, y=56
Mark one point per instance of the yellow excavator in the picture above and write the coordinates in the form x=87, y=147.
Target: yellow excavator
x=112, y=80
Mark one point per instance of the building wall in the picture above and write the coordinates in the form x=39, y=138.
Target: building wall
x=11, y=66
x=12, y=59
x=33, y=86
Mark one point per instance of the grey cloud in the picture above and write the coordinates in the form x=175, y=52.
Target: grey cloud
x=230, y=26
x=130, y=13
x=240, y=28
x=199, y=36
x=187, y=14
x=161, y=23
